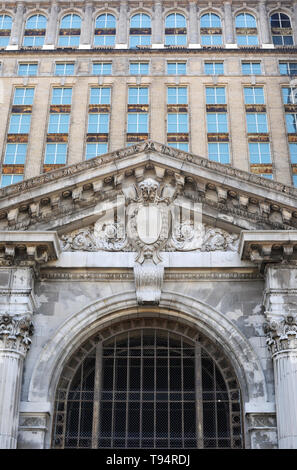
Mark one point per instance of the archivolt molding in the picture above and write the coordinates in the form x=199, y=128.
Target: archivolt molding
x=104, y=312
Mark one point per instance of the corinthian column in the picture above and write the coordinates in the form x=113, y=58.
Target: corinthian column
x=15, y=332
x=282, y=343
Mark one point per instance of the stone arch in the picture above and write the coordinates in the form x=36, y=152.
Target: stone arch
x=85, y=323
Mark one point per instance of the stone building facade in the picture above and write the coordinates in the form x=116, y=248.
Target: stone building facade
x=148, y=224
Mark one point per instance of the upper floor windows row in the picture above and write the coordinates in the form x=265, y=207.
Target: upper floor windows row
x=140, y=30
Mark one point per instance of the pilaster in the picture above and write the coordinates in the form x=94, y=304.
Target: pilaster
x=52, y=25
x=122, y=39
x=86, y=30
x=263, y=27
x=229, y=29
x=17, y=25
x=157, y=24
x=193, y=24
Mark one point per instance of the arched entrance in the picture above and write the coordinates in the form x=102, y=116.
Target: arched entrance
x=148, y=383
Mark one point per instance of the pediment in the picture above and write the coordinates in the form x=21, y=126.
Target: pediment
x=78, y=197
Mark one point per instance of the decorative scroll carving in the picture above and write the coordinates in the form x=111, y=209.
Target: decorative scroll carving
x=281, y=334
x=148, y=281
x=16, y=332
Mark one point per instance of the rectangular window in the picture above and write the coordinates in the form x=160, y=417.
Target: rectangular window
x=289, y=95
x=295, y=180
x=15, y=154
x=55, y=154
x=102, y=68
x=259, y=153
x=179, y=145
x=176, y=68
x=61, y=96
x=137, y=123
x=23, y=96
x=64, y=69
x=219, y=152
x=291, y=121
x=254, y=95
x=217, y=122
x=100, y=95
x=27, y=69
x=139, y=68
x=58, y=123
x=256, y=123
x=288, y=68
x=7, y=180
x=177, y=95
x=215, y=95
x=19, y=124
x=93, y=150
x=138, y=95
x=98, y=123
x=293, y=152
x=214, y=68
x=251, y=68
x=177, y=122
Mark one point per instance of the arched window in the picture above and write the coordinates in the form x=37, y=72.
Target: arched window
x=5, y=30
x=69, y=33
x=246, y=30
x=210, y=30
x=148, y=388
x=105, y=30
x=140, y=30
x=281, y=29
x=175, y=30
x=35, y=31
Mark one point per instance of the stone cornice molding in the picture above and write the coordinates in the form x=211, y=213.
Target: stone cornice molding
x=281, y=335
x=262, y=247
x=15, y=333
x=28, y=249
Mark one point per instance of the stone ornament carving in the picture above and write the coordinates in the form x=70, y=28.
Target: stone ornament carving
x=148, y=281
x=281, y=334
x=16, y=332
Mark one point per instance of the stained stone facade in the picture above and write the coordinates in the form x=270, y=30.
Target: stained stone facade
x=151, y=259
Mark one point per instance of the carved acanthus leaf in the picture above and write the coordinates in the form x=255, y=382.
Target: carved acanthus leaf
x=16, y=332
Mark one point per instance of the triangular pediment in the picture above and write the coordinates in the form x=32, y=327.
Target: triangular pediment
x=73, y=197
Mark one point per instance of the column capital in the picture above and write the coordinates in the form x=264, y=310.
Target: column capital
x=281, y=334
x=15, y=333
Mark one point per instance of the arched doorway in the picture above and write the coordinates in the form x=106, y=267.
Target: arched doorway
x=149, y=386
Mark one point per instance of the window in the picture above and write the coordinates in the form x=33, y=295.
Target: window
x=288, y=68
x=140, y=30
x=281, y=29
x=58, y=123
x=254, y=95
x=98, y=123
x=93, y=150
x=105, y=30
x=61, y=96
x=256, y=123
x=251, y=68
x=138, y=95
x=289, y=95
x=69, y=34
x=7, y=180
x=295, y=180
x=5, y=30
x=291, y=120
x=139, y=68
x=219, y=152
x=215, y=95
x=176, y=68
x=177, y=122
x=27, y=69
x=177, y=95
x=35, y=31
x=246, y=30
x=15, y=154
x=64, y=69
x=156, y=389
x=137, y=123
x=210, y=30
x=259, y=153
x=293, y=152
x=175, y=30
x=179, y=145
x=102, y=68
x=55, y=154
x=217, y=122
x=214, y=68
x=100, y=95
x=19, y=124
x=23, y=96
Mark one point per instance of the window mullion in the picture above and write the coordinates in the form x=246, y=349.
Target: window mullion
x=199, y=396
x=97, y=392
